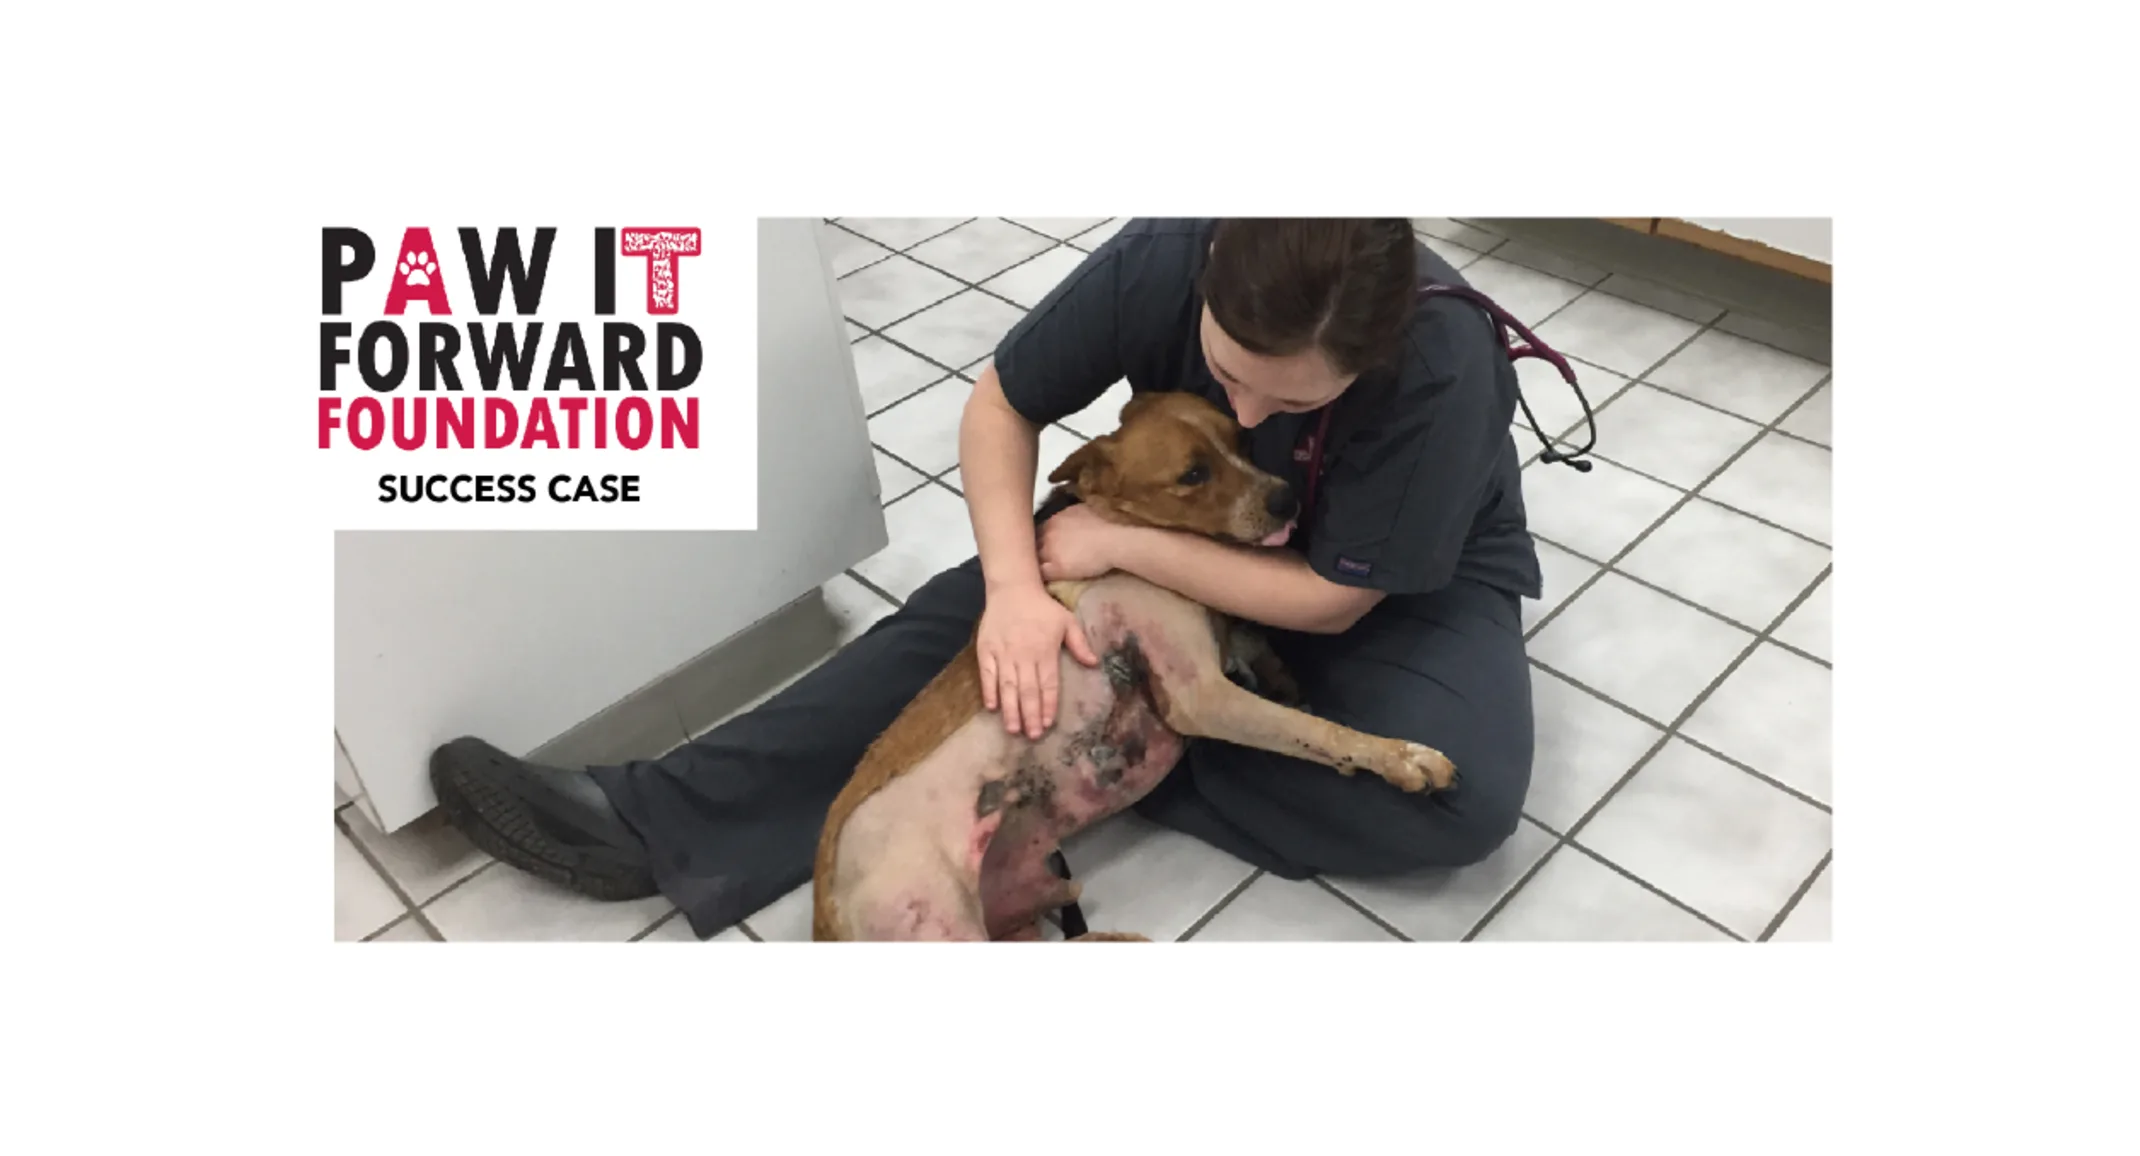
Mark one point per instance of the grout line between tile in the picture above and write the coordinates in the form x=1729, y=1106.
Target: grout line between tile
x=390, y=925
x=1221, y=905
x=910, y=394
x=875, y=589
x=981, y=289
x=457, y=884
x=1689, y=602
x=1671, y=730
x=651, y=928
x=1798, y=534
x=1685, y=496
x=1653, y=889
x=1486, y=917
x=410, y=909
x=1802, y=439
x=1356, y=905
x=1697, y=744
x=1792, y=904
x=926, y=475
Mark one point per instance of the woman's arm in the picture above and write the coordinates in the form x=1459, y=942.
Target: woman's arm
x=1274, y=587
x=998, y=452
x=1023, y=630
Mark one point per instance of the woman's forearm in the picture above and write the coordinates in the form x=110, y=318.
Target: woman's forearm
x=998, y=452
x=1272, y=587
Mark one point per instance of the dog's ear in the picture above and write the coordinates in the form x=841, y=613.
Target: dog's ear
x=1082, y=470
x=1137, y=403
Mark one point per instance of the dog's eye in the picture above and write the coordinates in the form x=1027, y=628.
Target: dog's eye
x=1197, y=475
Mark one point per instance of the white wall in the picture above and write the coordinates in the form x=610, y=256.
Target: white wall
x=519, y=636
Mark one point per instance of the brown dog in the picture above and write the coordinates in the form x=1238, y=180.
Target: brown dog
x=945, y=830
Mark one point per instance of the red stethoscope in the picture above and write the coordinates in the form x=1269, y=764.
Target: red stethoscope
x=1519, y=342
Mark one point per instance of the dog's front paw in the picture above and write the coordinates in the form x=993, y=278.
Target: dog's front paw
x=1417, y=767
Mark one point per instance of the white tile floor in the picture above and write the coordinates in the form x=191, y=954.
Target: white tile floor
x=1681, y=654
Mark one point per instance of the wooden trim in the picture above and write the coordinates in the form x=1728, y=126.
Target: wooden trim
x=1746, y=250
x=1638, y=224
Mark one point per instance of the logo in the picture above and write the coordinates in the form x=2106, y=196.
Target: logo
x=476, y=346
x=1353, y=567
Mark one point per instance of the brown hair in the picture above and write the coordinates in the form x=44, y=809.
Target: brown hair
x=1278, y=287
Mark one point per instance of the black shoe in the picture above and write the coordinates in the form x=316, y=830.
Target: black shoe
x=553, y=824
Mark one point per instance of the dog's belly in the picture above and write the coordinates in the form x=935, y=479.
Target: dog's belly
x=989, y=808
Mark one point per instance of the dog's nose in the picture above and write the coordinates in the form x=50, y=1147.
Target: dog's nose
x=1281, y=503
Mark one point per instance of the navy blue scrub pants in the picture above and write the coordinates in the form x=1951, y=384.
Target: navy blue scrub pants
x=731, y=820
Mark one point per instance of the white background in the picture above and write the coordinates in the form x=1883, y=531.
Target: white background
x=711, y=488
x=171, y=534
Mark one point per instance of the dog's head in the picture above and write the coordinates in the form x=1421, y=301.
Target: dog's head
x=1177, y=462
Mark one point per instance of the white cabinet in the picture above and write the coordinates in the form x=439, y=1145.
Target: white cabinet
x=1810, y=237
x=518, y=637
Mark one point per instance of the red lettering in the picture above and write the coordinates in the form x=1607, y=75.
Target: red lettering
x=359, y=435
x=415, y=276
x=679, y=423
x=411, y=438
x=628, y=437
x=661, y=248
x=540, y=427
x=459, y=417
x=330, y=419
x=497, y=436
x=572, y=407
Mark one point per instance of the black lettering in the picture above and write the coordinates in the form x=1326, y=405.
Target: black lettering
x=386, y=487
x=389, y=334
x=568, y=358
x=554, y=495
x=584, y=491
x=527, y=487
x=628, y=491
x=487, y=278
x=431, y=491
x=520, y=358
x=684, y=335
x=622, y=343
x=605, y=272
x=440, y=343
x=331, y=351
x=336, y=272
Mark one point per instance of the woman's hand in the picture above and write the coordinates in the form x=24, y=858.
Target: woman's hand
x=1021, y=638
x=1077, y=544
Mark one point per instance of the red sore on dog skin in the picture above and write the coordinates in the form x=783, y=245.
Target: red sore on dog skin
x=984, y=834
x=1112, y=750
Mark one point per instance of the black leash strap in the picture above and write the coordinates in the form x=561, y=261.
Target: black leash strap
x=1073, y=916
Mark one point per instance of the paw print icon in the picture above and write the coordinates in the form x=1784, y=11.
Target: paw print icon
x=417, y=268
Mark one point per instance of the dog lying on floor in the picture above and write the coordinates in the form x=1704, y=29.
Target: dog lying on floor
x=946, y=828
